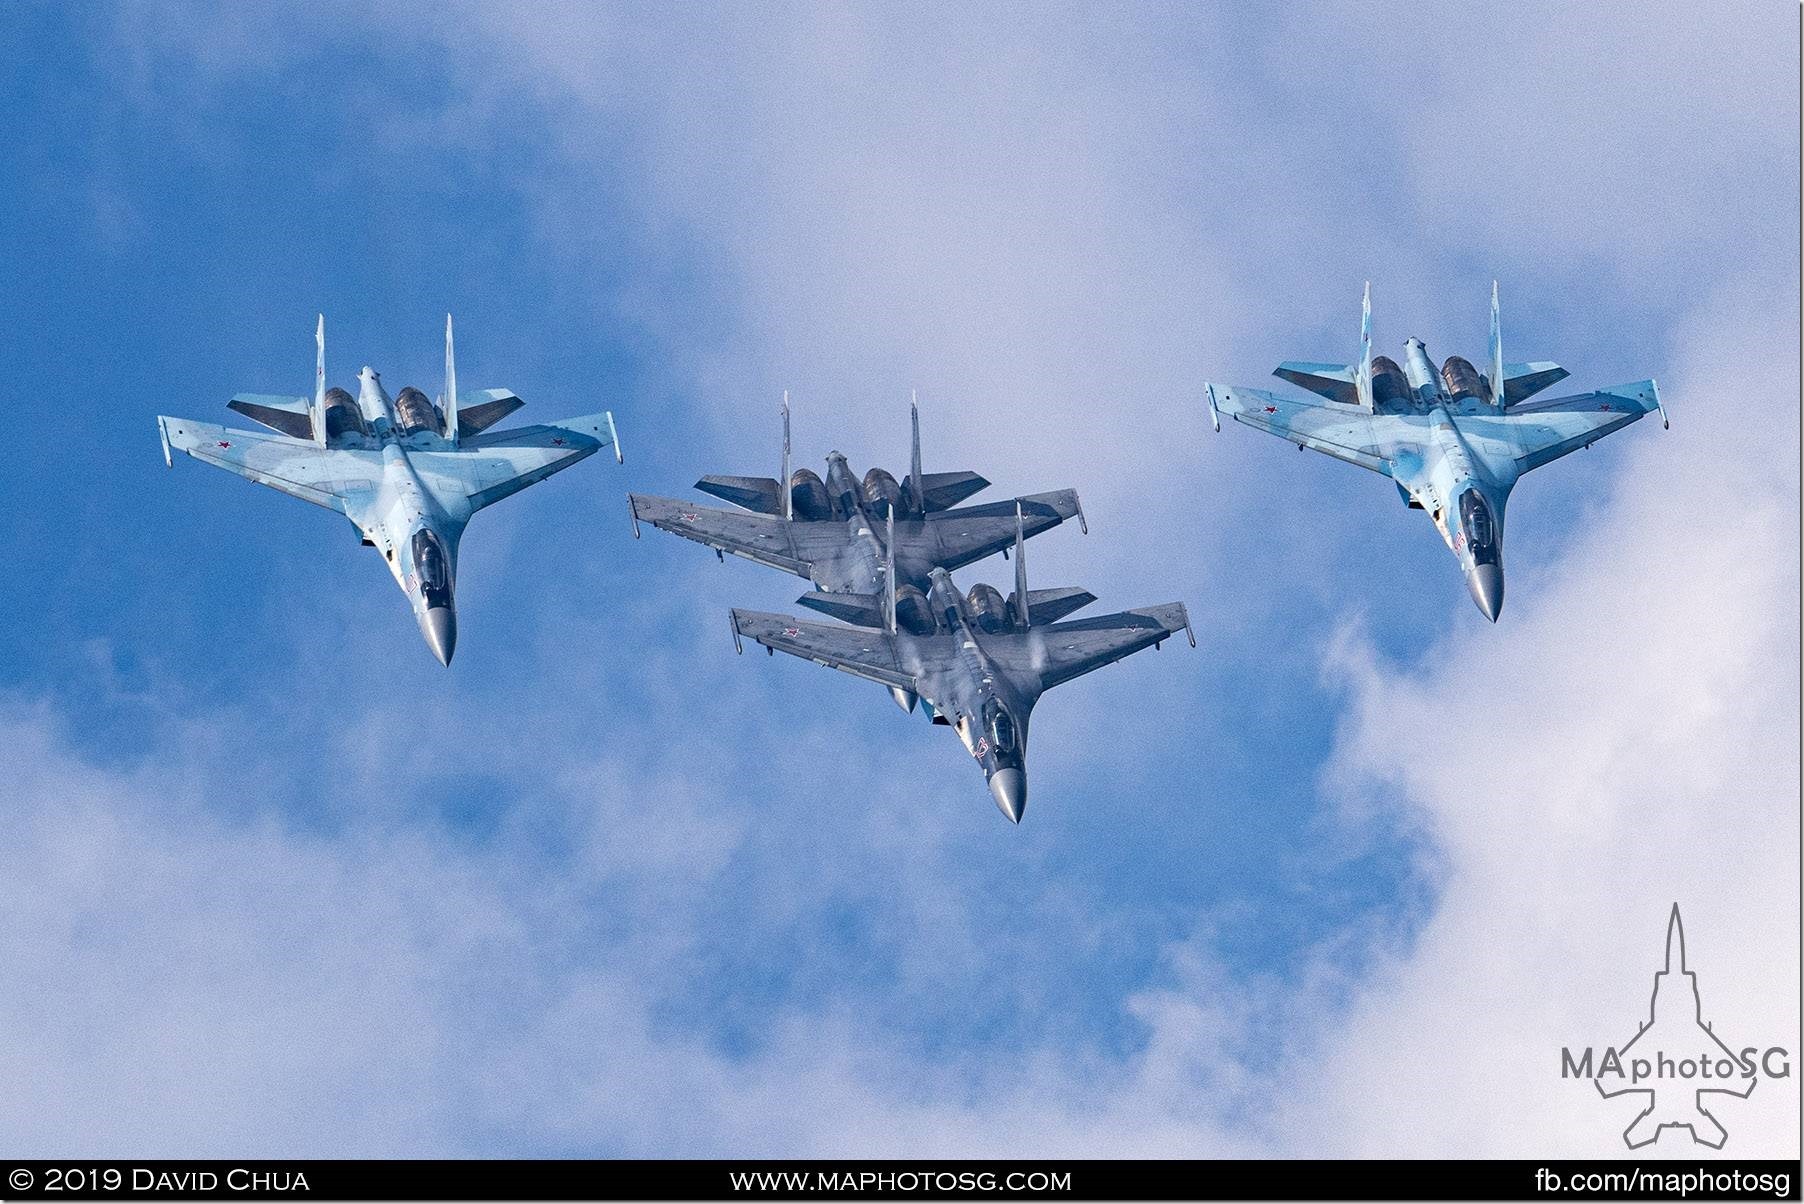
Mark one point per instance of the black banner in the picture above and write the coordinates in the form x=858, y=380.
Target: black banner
x=854, y=1180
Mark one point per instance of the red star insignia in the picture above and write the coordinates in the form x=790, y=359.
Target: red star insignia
x=225, y=443
x=792, y=632
x=558, y=442
x=1605, y=406
x=688, y=517
x=1271, y=409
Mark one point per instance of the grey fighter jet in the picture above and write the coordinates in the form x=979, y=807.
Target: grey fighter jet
x=1454, y=440
x=407, y=473
x=831, y=532
x=978, y=662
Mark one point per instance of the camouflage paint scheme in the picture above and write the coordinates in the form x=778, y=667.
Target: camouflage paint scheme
x=1454, y=441
x=407, y=473
x=978, y=662
x=830, y=531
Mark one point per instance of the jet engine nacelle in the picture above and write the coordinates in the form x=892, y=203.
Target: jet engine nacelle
x=342, y=415
x=808, y=495
x=882, y=495
x=913, y=613
x=1390, y=388
x=988, y=611
x=414, y=411
x=1462, y=379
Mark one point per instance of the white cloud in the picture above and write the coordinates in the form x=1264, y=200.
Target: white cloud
x=1009, y=217
x=1627, y=739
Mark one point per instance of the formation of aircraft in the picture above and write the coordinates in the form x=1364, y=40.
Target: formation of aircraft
x=978, y=662
x=409, y=474
x=831, y=530
x=1454, y=440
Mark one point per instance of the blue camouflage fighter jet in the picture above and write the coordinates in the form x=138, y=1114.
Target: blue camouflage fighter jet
x=1453, y=439
x=406, y=472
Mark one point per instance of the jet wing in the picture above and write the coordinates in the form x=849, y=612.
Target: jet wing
x=299, y=468
x=1540, y=432
x=1068, y=650
x=1344, y=432
x=790, y=546
x=975, y=532
x=497, y=464
x=860, y=651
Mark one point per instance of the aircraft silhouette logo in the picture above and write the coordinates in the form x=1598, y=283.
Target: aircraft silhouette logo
x=1681, y=1053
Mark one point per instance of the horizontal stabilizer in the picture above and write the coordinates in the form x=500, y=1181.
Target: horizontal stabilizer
x=860, y=610
x=1336, y=382
x=479, y=409
x=1051, y=605
x=1523, y=381
x=944, y=490
x=758, y=494
x=285, y=415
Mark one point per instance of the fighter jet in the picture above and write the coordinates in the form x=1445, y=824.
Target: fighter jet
x=830, y=531
x=978, y=662
x=1455, y=441
x=407, y=473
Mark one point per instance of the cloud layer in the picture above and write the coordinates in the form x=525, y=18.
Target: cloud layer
x=553, y=911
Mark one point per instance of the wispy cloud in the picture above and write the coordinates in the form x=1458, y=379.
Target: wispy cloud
x=591, y=905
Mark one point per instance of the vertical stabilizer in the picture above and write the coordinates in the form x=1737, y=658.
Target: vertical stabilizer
x=917, y=504
x=319, y=383
x=1497, y=381
x=889, y=574
x=1021, y=602
x=450, y=398
x=783, y=488
x=1675, y=942
x=1364, y=379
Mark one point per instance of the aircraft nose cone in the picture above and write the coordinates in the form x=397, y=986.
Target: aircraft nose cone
x=440, y=626
x=1486, y=583
x=1010, y=788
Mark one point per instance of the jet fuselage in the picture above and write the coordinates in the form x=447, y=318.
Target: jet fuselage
x=415, y=528
x=1463, y=483
x=974, y=694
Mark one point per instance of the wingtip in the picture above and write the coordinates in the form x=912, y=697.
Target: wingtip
x=614, y=438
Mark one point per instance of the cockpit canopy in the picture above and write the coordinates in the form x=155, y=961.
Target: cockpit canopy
x=433, y=567
x=1000, y=726
x=415, y=412
x=1479, y=525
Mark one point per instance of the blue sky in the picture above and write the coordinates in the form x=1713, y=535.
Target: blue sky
x=601, y=859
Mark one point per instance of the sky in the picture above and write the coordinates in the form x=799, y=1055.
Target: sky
x=1341, y=881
